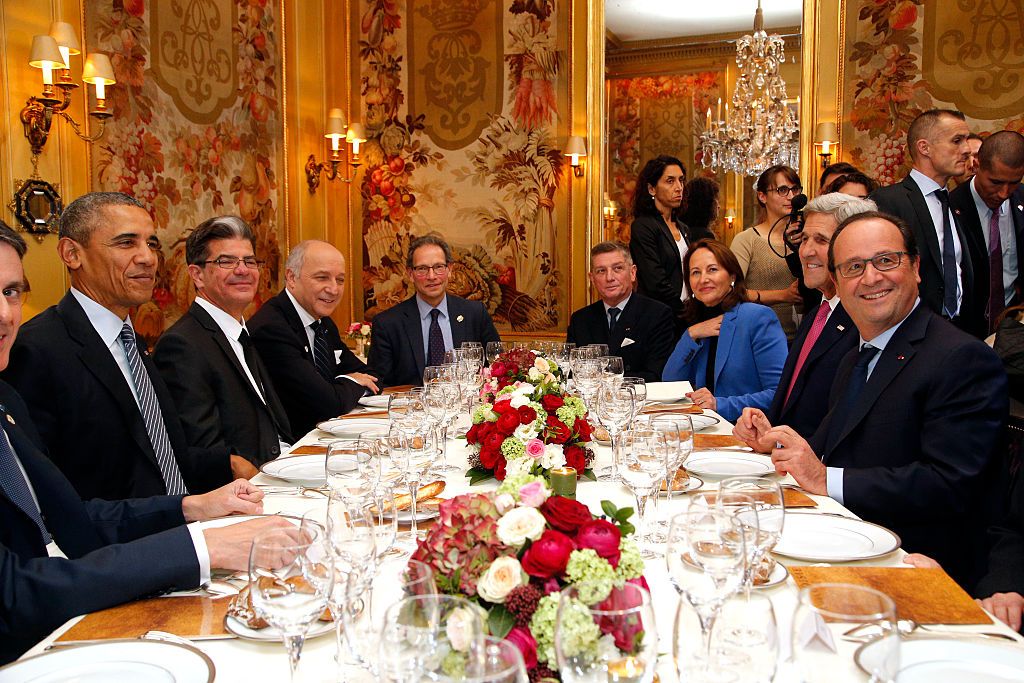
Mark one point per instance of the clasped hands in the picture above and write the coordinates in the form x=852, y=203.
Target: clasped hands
x=791, y=454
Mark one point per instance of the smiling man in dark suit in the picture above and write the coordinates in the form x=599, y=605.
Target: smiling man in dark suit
x=827, y=333
x=417, y=332
x=938, y=144
x=635, y=327
x=314, y=372
x=223, y=392
x=991, y=208
x=102, y=408
x=914, y=415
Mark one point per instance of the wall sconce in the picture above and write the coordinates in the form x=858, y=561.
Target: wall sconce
x=825, y=136
x=730, y=218
x=54, y=51
x=575, y=148
x=336, y=133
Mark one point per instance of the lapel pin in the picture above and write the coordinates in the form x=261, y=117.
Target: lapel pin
x=11, y=420
x=1020, y=207
x=459, y=319
x=306, y=349
x=900, y=357
x=956, y=211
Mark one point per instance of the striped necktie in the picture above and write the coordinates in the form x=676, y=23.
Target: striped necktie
x=152, y=416
x=322, y=351
x=16, y=487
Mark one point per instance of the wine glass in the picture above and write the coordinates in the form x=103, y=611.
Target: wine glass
x=418, y=579
x=587, y=378
x=641, y=470
x=598, y=350
x=753, y=659
x=352, y=540
x=502, y=662
x=706, y=560
x=639, y=387
x=413, y=456
x=614, y=411
x=768, y=500
x=407, y=413
x=385, y=520
x=602, y=636
x=613, y=370
x=440, y=400
x=424, y=635
x=493, y=350
x=826, y=610
x=352, y=468
x=291, y=578
x=678, y=431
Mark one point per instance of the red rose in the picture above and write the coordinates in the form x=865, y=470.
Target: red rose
x=492, y=442
x=565, y=514
x=558, y=432
x=472, y=436
x=523, y=639
x=512, y=369
x=527, y=414
x=502, y=407
x=602, y=537
x=548, y=555
x=508, y=422
x=576, y=458
x=584, y=430
x=497, y=369
x=552, y=402
x=489, y=457
x=499, y=468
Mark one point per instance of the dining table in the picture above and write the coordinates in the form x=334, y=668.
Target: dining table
x=247, y=661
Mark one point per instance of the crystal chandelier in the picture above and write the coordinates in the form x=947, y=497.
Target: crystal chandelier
x=760, y=130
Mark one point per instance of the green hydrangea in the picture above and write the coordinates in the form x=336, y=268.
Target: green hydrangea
x=631, y=562
x=566, y=414
x=579, y=632
x=454, y=665
x=512, y=448
x=512, y=484
x=591, y=575
x=579, y=408
x=483, y=413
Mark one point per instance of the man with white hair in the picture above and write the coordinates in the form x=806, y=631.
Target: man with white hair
x=827, y=334
x=315, y=374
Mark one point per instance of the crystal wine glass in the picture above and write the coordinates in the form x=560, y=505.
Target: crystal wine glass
x=425, y=635
x=614, y=411
x=642, y=467
x=767, y=498
x=352, y=541
x=352, y=468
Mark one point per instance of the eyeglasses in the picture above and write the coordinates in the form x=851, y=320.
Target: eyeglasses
x=231, y=262
x=437, y=269
x=882, y=262
x=786, y=190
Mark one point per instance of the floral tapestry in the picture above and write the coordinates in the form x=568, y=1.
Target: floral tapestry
x=196, y=130
x=472, y=154
x=649, y=116
x=903, y=57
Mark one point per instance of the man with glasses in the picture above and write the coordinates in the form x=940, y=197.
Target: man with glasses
x=222, y=389
x=915, y=411
x=417, y=332
x=102, y=409
x=939, y=148
x=635, y=327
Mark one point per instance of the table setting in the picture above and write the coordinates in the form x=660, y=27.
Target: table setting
x=506, y=523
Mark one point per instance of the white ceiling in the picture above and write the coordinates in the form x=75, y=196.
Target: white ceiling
x=658, y=19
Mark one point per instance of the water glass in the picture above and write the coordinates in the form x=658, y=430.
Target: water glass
x=352, y=468
x=754, y=658
x=502, y=662
x=614, y=411
x=425, y=635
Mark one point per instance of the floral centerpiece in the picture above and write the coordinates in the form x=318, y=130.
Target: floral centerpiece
x=359, y=333
x=513, y=550
x=527, y=423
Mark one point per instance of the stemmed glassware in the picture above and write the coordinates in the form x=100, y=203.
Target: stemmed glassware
x=752, y=659
x=493, y=350
x=767, y=499
x=639, y=387
x=614, y=411
x=407, y=412
x=706, y=560
x=468, y=366
x=352, y=468
x=641, y=470
x=412, y=456
x=291, y=578
x=352, y=538
x=612, y=372
x=587, y=378
x=602, y=636
x=440, y=400
x=425, y=635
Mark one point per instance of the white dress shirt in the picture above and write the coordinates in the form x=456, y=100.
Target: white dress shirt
x=307, y=321
x=928, y=189
x=1007, y=238
x=621, y=306
x=232, y=329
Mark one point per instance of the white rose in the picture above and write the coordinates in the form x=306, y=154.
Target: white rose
x=526, y=432
x=554, y=456
x=460, y=628
x=364, y=330
x=518, y=466
x=504, y=574
x=519, y=524
x=504, y=502
x=518, y=401
x=534, y=374
x=541, y=365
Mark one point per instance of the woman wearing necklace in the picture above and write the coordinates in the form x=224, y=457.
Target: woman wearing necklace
x=734, y=351
x=658, y=238
x=768, y=277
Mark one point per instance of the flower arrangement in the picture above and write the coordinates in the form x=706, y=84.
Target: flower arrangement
x=359, y=333
x=513, y=550
x=527, y=424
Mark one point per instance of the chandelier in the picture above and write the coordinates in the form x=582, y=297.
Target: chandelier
x=760, y=130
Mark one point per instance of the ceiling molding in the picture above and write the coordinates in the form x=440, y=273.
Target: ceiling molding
x=612, y=41
x=639, y=52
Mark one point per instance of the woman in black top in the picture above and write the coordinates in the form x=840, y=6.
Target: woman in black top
x=658, y=237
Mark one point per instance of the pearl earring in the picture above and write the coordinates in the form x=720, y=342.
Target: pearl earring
x=732, y=284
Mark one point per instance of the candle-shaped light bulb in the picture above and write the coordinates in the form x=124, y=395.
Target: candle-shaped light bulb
x=826, y=147
x=65, y=54
x=720, y=109
x=101, y=90
x=47, y=74
x=707, y=125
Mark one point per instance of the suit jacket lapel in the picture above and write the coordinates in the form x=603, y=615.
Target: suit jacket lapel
x=457, y=320
x=837, y=327
x=1017, y=211
x=414, y=332
x=727, y=334
x=218, y=336
x=623, y=326
x=924, y=218
x=96, y=358
x=293, y=320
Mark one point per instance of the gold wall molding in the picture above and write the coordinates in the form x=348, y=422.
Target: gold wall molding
x=639, y=53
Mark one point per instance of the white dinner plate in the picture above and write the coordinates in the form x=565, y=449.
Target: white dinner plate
x=375, y=401
x=701, y=422
x=353, y=426
x=114, y=661
x=818, y=537
x=270, y=634
x=667, y=392
x=422, y=515
x=728, y=464
x=307, y=470
x=949, y=660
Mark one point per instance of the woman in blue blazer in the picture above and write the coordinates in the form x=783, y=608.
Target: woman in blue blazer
x=742, y=343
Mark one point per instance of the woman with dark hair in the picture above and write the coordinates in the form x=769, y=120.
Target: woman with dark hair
x=854, y=184
x=769, y=279
x=658, y=237
x=702, y=206
x=734, y=351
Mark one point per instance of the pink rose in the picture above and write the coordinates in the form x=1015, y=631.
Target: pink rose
x=523, y=639
x=602, y=537
x=535, y=448
x=533, y=494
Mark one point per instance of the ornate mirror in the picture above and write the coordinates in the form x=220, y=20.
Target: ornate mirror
x=37, y=206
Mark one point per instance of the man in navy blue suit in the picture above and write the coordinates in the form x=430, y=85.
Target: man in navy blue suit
x=60, y=556
x=827, y=333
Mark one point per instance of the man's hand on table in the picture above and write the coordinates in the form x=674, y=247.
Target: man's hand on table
x=242, y=468
x=1006, y=607
x=240, y=497
x=229, y=546
x=794, y=456
x=921, y=561
x=365, y=380
x=751, y=428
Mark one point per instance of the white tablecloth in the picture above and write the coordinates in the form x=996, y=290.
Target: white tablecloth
x=249, y=662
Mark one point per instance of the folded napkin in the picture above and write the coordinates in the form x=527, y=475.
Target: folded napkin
x=928, y=596
x=189, y=617
x=668, y=391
